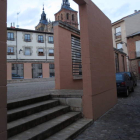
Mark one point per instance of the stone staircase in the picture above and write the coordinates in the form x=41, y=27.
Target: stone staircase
x=41, y=118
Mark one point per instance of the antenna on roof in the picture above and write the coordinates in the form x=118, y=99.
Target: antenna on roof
x=17, y=19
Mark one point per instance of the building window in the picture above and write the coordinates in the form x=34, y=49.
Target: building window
x=119, y=46
x=58, y=17
x=139, y=66
x=27, y=38
x=51, y=52
x=123, y=63
x=51, y=39
x=40, y=39
x=17, y=71
x=10, y=36
x=61, y=16
x=37, y=71
x=117, y=62
x=27, y=51
x=51, y=66
x=138, y=49
x=40, y=52
x=67, y=16
x=118, y=32
x=52, y=70
x=73, y=17
x=10, y=51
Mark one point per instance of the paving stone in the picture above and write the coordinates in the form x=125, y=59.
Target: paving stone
x=122, y=122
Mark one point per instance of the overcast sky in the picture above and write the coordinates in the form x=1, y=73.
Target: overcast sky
x=30, y=10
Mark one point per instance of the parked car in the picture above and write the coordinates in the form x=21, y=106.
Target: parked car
x=40, y=76
x=16, y=76
x=124, y=84
x=132, y=77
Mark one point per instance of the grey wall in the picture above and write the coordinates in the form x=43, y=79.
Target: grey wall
x=132, y=24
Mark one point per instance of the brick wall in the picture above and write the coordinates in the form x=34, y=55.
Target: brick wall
x=64, y=12
x=134, y=63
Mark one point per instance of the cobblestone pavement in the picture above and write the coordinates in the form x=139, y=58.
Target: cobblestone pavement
x=120, y=123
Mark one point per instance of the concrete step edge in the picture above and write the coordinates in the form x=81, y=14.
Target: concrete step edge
x=49, y=128
x=31, y=121
x=12, y=104
x=72, y=131
x=21, y=112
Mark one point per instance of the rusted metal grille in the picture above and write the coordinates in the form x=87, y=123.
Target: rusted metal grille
x=76, y=57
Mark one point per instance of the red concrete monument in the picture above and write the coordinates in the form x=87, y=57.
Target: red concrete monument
x=3, y=74
x=98, y=71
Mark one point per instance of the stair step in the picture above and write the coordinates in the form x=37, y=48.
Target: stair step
x=49, y=128
x=72, y=131
x=31, y=121
x=30, y=109
x=26, y=101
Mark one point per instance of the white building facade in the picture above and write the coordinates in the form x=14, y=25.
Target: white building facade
x=30, y=54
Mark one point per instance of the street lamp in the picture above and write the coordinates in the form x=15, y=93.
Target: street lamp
x=123, y=43
x=20, y=50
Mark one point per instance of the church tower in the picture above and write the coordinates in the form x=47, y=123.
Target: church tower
x=43, y=22
x=67, y=14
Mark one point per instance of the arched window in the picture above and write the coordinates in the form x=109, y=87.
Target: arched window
x=61, y=16
x=72, y=17
x=58, y=17
x=67, y=16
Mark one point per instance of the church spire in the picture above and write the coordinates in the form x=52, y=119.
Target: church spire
x=43, y=17
x=65, y=3
x=43, y=7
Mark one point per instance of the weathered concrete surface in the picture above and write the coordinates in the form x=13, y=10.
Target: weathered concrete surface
x=29, y=80
x=74, y=103
x=39, y=87
x=29, y=89
x=120, y=123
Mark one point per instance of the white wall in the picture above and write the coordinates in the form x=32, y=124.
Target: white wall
x=34, y=45
x=12, y=44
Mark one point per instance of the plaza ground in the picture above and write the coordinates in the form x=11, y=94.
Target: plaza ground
x=122, y=122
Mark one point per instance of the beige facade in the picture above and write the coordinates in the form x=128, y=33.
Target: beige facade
x=122, y=28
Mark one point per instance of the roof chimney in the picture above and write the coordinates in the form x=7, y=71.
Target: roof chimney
x=11, y=25
x=135, y=11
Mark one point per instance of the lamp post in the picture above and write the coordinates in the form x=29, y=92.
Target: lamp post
x=123, y=43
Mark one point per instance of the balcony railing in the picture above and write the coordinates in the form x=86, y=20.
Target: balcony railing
x=118, y=35
x=41, y=41
x=27, y=40
x=10, y=53
x=9, y=38
x=51, y=54
x=40, y=54
x=51, y=42
x=137, y=54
